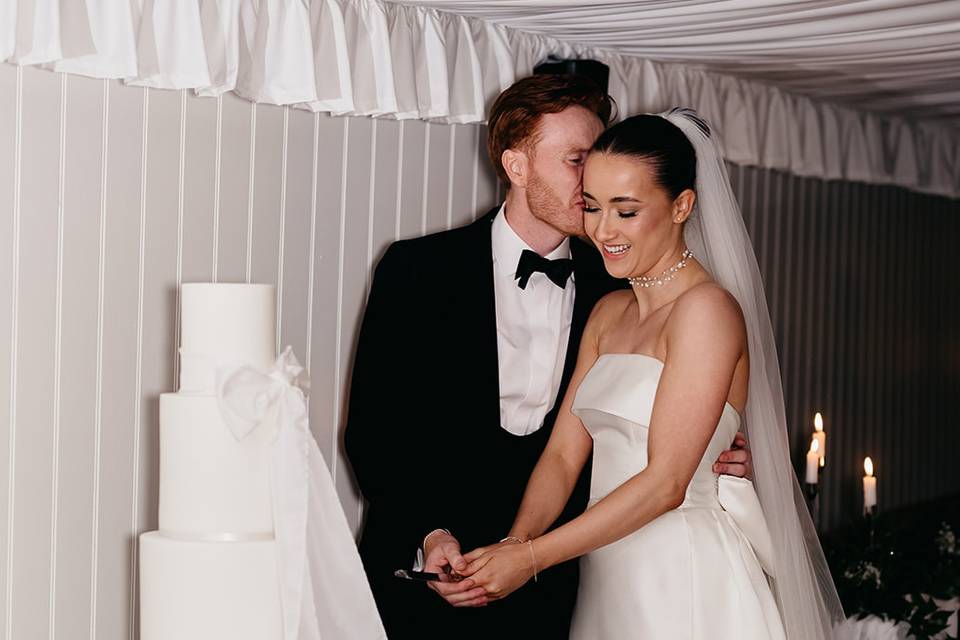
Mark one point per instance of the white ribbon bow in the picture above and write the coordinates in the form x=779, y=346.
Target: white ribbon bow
x=250, y=399
x=323, y=589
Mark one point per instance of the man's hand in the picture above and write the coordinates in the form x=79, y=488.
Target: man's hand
x=736, y=461
x=442, y=555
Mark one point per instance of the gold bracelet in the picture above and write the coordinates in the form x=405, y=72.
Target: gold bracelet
x=514, y=538
x=533, y=557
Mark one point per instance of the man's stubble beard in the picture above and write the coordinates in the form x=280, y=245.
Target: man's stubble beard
x=547, y=207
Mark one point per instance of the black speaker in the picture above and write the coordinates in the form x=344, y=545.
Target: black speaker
x=593, y=69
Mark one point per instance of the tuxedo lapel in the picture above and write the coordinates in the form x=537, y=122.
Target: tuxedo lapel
x=480, y=313
x=587, y=294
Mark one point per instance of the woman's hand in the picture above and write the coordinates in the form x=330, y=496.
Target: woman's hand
x=479, y=552
x=500, y=569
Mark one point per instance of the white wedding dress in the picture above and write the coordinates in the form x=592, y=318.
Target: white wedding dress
x=691, y=573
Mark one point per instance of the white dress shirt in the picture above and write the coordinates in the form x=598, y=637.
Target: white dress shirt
x=533, y=327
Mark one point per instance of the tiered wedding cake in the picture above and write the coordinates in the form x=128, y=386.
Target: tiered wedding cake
x=211, y=570
x=253, y=543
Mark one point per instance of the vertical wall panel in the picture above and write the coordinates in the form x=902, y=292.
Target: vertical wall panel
x=118, y=432
x=8, y=254
x=296, y=232
x=383, y=205
x=776, y=256
x=486, y=177
x=873, y=350
x=799, y=297
x=437, y=183
x=352, y=285
x=322, y=353
x=267, y=188
x=829, y=312
x=35, y=365
x=83, y=146
x=814, y=318
x=157, y=348
x=805, y=295
x=887, y=219
x=143, y=426
x=763, y=229
x=234, y=173
x=199, y=186
x=460, y=185
x=846, y=314
x=411, y=178
x=894, y=334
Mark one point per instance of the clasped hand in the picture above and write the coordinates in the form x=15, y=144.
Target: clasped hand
x=479, y=577
x=494, y=572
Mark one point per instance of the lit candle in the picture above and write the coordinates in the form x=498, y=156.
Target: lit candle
x=813, y=462
x=869, y=485
x=821, y=437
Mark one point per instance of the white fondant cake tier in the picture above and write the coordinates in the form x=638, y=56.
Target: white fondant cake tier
x=210, y=482
x=208, y=590
x=221, y=325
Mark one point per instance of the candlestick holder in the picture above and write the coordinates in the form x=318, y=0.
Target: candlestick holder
x=812, y=492
x=869, y=516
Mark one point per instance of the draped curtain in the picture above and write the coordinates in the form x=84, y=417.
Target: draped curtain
x=376, y=58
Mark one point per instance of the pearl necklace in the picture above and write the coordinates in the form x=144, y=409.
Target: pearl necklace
x=646, y=282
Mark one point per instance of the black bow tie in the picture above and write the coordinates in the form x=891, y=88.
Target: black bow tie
x=557, y=270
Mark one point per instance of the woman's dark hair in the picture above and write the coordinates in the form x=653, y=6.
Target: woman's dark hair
x=658, y=142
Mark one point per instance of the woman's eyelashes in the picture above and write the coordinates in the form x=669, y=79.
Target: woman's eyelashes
x=622, y=214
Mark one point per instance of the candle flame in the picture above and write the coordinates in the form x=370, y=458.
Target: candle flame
x=818, y=422
x=868, y=466
x=814, y=446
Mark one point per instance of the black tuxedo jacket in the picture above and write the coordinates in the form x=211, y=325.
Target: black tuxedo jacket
x=424, y=438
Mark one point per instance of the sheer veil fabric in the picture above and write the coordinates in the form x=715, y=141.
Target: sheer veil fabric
x=804, y=589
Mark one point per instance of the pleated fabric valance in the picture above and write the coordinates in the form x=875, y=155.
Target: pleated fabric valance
x=376, y=58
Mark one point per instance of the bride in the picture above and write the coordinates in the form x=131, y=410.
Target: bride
x=666, y=374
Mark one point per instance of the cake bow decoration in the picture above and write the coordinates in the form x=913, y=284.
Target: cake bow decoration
x=323, y=591
x=247, y=396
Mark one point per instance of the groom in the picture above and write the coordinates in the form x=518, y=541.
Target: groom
x=467, y=345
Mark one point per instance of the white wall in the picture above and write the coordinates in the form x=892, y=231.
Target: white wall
x=109, y=197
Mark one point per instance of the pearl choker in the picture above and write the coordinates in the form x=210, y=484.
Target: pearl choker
x=646, y=282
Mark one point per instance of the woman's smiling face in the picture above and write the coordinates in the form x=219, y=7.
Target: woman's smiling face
x=631, y=219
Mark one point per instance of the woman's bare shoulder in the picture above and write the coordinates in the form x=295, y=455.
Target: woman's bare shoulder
x=707, y=309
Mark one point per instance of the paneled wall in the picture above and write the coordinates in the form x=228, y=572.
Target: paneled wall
x=863, y=287
x=110, y=196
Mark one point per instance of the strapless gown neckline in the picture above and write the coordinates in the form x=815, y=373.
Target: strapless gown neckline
x=654, y=359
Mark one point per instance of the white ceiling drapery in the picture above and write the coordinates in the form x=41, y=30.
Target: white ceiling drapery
x=370, y=57
x=887, y=56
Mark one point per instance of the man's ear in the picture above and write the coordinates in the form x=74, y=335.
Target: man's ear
x=516, y=164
